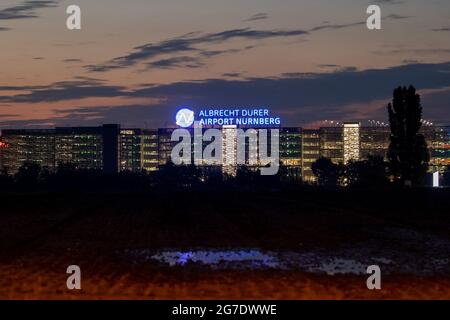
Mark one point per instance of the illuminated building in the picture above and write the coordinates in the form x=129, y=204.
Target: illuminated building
x=3, y=146
x=438, y=140
x=84, y=147
x=374, y=141
x=332, y=143
x=37, y=146
x=310, y=153
x=291, y=151
x=351, y=141
x=138, y=150
x=165, y=145
x=149, y=150
x=112, y=149
x=130, y=153
x=229, y=150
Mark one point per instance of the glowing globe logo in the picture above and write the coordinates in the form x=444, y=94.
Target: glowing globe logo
x=185, y=118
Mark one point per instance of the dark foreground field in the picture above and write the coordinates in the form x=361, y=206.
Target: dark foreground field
x=318, y=242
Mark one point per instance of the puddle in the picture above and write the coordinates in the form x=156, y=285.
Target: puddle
x=216, y=259
x=395, y=250
x=253, y=259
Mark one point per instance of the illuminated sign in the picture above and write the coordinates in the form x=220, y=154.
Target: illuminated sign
x=256, y=117
x=185, y=118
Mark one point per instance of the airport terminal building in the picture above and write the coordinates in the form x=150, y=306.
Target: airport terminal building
x=113, y=149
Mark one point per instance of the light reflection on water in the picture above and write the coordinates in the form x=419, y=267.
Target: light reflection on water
x=252, y=259
x=345, y=261
x=390, y=249
x=219, y=259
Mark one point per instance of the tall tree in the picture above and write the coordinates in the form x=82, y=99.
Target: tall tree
x=408, y=154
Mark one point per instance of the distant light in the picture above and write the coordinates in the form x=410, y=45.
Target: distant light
x=436, y=179
x=185, y=118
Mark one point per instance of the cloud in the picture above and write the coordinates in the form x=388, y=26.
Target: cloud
x=232, y=75
x=336, y=26
x=258, y=16
x=27, y=9
x=144, y=116
x=346, y=84
x=20, y=88
x=327, y=26
x=443, y=29
x=170, y=63
x=176, y=50
x=395, y=16
x=72, y=60
x=8, y=115
x=189, y=43
x=191, y=62
x=436, y=104
x=410, y=61
x=387, y=1
x=416, y=51
x=345, y=94
x=213, y=53
x=303, y=96
x=60, y=91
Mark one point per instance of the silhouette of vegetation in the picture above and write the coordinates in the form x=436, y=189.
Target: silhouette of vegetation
x=29, y=175
x=171, y=176
x=251, y=179
x=245, y=176
x=68, y=178
x=408, y=154
x=367, y=173
x=6, y=181
x=327, y=172
x=446, y=177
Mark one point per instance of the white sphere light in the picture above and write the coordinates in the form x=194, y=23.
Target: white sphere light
x=185, y=118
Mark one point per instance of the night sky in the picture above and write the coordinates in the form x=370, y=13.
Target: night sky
x=135, y=62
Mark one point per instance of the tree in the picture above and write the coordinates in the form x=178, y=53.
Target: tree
x=327, y=172
x=28, y=174
x=447, y=177
x=6, y=181
x=173, y=176
x=245, y=176
x=366, y=173
x=408, y=154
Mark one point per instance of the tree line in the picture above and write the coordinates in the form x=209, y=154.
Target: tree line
x=169, y=177
x=407, y=157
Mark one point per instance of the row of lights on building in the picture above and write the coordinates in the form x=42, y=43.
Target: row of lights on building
x=375, y=123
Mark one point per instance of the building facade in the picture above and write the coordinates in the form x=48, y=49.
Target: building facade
x=113, y=149
x=83, y=147
x=37, y=146
x=310, y=152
